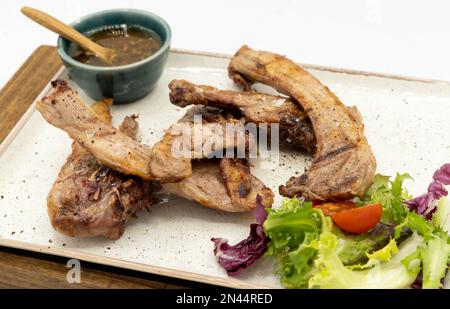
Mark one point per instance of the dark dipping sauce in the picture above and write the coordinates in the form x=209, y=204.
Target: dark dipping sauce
x=131, y=43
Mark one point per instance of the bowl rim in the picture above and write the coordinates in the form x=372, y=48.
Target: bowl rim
x=67, y=58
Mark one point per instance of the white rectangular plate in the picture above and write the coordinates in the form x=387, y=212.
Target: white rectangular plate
x=407, y=124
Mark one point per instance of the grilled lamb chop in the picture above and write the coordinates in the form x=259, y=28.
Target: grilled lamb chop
x=89, y=199
x=227, y=185
x=343, y=165
x=242, y=186
x=169, y=150
x=64, y=109
x=210, y=185
x=295, y=126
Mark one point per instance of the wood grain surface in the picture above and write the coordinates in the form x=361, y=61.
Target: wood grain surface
x=23, y=269
x=26, y=84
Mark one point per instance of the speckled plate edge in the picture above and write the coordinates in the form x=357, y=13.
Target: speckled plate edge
x=227, y=282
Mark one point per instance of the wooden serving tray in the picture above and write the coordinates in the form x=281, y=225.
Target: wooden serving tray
x=25, y=85
x=406, y=123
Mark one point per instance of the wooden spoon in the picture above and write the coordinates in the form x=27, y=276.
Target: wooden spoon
x=53, y=24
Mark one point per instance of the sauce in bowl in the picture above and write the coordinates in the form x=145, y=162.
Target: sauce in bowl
x=131, y=43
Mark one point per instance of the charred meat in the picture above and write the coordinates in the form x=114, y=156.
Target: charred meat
x=343, y=165
x=226, y=184
x=64, y=109
x=89, y=199
x=295, y=126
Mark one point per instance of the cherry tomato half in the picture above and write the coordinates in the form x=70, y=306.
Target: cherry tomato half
x=358, y=220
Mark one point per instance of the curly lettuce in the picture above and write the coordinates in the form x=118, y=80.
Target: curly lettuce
x=391, y=195
x=398, y=272
x=353, y=249
x=298, y=237
x=291, y=229
x=382, y=255
x=434, y=253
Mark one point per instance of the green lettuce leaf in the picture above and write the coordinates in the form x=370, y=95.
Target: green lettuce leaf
x=297, y=266
x=292, y=224
x=434, y=253
x=353, y=249
x=434, y=257
x=291, y=229
x=382, y=255
x=418, y=224
x=442, y=214
x=332, y=273
x=390, y=194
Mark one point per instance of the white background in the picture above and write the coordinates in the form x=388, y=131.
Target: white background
x=399, y=37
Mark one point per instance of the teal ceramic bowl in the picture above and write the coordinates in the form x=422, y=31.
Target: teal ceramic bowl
x=124, y=83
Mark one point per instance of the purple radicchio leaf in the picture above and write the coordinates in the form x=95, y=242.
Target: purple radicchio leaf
x=443, y=174
x=240, y=256
x=425, y=204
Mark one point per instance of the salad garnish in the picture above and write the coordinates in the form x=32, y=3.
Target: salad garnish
x=386, y=239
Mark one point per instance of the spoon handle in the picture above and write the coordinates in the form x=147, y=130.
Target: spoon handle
x=64, y=30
